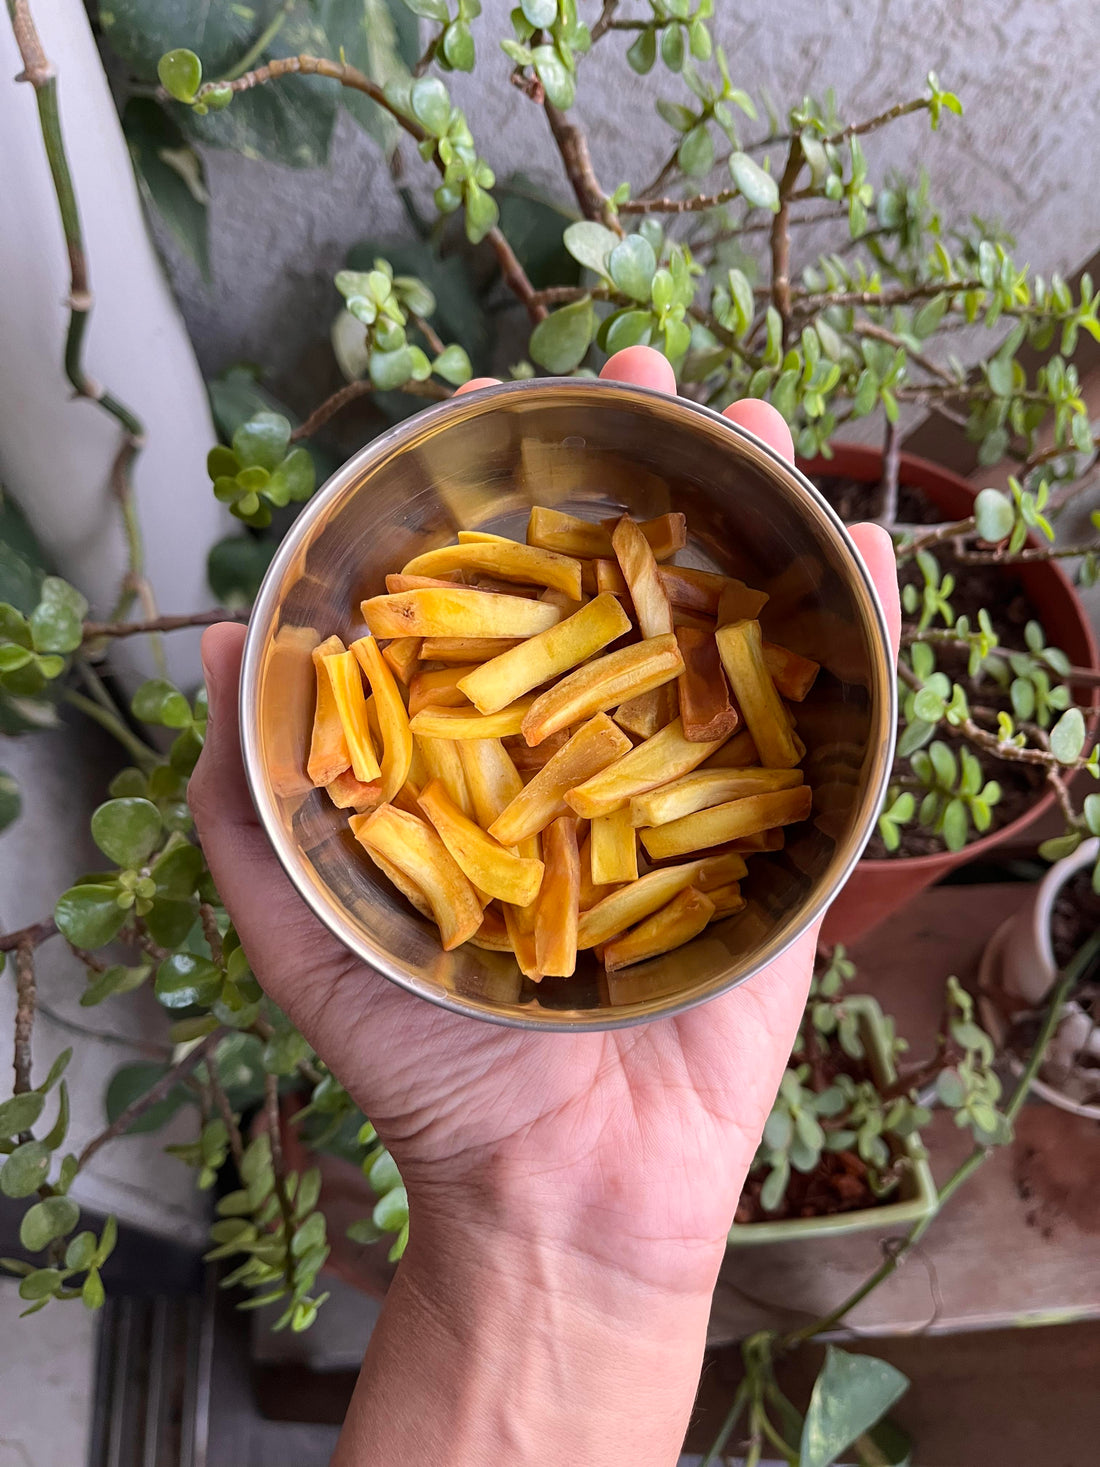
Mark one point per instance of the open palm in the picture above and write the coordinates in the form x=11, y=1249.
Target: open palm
x=634, y=1143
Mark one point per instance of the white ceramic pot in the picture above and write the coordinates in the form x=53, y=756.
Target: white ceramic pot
x=1019, y=965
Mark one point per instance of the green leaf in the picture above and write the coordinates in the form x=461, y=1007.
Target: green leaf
x=51, y=1218
x=632, y=265
x=481, y=213
x=590, y=244
x=390, y=370
x=955, y=825
x=184, y=979
x=849, y=1396
x=180, y=74
x=1091, y=811
x=778, y=1129
x=171, y=176
x=672, y=47
x=453, y=365
x=25, y=1169
x=561, y=341
x=771, y=1193
x=130, y=1083
x=928, y=705
x=57, y=622
x=625, y=328
x=89, y=916
x=756, y=186
x=293, y=480
x=391, y=1212
x=383, y=1174
x=127, y=831
x=555, y=76
x=458, y=46
x=994, y=515
x=428, y=9
x=695, y=154
x=20, y=1113
x=161, y=702
x=92, y=1293
x=262, y=441
x=683, y=119
x=540, y=13
x=431, y=105
x=41, y=1284
x=1067, y=737
x=643, y=52
x=236, y=566
x=81, y=1251
x=11, y=802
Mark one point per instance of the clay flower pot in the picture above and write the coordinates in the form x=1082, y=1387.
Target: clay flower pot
x=878, y=888
x=1018, y=967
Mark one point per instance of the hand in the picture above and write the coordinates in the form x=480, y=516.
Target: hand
x=608, y=1164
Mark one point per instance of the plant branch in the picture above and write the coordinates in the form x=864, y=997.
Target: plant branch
x=606, y=20
x=25, y=996
x=1026, y=557
x=951, y=531
x=95, y=630
x=137, y=1108
x=891, y=463
x=278, y=1169
x=135, y=747
x=1047, y=455
x=693, y=205
x=33, y=936
x=225, y=1110
x=879, y=333
x=428, y=332
x=513, y=273
x=1077, y=965
x=577, y=162
x=781, y=237
x=355, y=390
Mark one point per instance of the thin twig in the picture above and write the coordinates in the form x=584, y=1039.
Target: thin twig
x=1047, y=455
x=1026, y=557
x=95, y=630
x=577, y=162
x=261, y=43
x=606, y=20
x=891, y=462
x=355, y=390
x=225, y=1110
x=954, y=530
x=209, y=920
x=879, y=333
x=781, y=237
x=135, y=747
x=25, y=994
x=156, y=1092
x=513, y=273
x=32, y=936
x=278, y=1169
x=427, y=330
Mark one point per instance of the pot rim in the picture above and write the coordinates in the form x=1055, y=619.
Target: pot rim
x=854, y=457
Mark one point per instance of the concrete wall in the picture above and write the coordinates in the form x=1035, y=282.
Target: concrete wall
x=1025, y=152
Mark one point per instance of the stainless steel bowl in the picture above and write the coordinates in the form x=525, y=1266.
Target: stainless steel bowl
x=480, y=461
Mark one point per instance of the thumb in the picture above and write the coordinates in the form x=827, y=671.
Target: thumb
x=295, y=958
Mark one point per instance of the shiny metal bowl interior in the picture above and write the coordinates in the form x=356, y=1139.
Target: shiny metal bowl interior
x=594, y=448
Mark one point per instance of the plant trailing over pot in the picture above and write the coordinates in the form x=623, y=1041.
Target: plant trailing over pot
x=670, y=262
x=841, y=1149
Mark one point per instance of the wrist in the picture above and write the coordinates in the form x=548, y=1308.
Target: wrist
x=526, y=1352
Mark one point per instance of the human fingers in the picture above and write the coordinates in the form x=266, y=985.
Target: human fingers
x=765, y=421
x=877, y=549
x=476, y=382
x=640, y=366
x=296, y=960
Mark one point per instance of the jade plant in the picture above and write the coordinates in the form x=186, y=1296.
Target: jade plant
x=706, y=262
x=830, y=1104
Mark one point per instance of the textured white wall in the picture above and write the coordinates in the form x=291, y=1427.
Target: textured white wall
x=1025, y=152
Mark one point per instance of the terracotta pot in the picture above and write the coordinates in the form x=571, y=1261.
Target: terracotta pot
x=878, y=888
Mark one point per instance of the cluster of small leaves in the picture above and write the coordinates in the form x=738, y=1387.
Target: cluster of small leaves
x=453, y=48
x=969, y=1086
x=824, y=1010
x=332, y=1107
x=936, y=698
x=34, y=649
x=260, y=471
x=846, y=1115
x=275, y=1224
x=25, y=1172
x=1061, y=846
x=467, y=178
x=180, y=73
x=677, y=32
x=957, y=796
x=653, y=281
x=931, y=599
x=548, y=36
x=383, y=303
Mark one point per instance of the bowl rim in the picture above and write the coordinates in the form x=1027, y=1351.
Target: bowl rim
x=265, y=606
